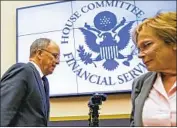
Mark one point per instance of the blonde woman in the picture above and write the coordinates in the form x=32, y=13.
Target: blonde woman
x=154, y=93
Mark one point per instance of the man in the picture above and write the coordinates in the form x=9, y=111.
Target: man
x=24, y=93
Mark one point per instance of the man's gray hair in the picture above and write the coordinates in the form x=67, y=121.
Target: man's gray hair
x=40, y=43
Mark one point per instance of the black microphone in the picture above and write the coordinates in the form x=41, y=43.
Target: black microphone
x=97, y=99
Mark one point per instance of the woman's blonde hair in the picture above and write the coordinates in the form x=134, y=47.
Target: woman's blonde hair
x=163, y=24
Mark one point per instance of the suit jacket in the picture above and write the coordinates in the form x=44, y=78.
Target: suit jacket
x=140, y=91
x=23, y=100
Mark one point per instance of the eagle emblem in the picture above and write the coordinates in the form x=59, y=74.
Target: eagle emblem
x=107, y=38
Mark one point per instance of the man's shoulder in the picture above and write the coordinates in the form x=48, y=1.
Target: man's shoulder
x=19, y=67
x=15, y=67
x=17, y=70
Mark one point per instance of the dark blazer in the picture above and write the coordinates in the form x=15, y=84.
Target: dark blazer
x=140, y=90
x=23, y=97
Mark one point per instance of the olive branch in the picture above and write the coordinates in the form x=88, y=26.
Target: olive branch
x=85, y=56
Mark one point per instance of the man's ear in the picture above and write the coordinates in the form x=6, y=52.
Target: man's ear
x=39, y=54
x=174, y=46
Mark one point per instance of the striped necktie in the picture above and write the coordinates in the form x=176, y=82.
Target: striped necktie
x=46, y=88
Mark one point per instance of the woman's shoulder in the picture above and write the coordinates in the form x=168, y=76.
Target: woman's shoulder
x=138, y=82
x=144, y=76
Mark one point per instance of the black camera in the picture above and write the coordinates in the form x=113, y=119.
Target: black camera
x=97, y=99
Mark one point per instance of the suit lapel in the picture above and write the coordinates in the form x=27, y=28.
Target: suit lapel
x=139, y=103
x=41, y=89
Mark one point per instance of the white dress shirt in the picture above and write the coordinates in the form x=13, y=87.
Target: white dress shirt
x=160, y=108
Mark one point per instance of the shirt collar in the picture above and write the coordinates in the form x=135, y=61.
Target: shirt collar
x=38, y=69
x=160, y=77
x=158, y=85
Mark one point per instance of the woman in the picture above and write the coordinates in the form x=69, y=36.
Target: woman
x=154, y=93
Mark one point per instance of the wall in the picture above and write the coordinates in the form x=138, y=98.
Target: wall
x=75, y=108
x=72, y=108
x=8, y=30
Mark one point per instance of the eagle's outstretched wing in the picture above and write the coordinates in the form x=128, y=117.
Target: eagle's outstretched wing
x=90, y=39
x=124, y=35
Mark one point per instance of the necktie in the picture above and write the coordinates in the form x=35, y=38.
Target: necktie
x=46, y=88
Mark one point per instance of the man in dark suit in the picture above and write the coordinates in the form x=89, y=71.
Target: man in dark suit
x=24, y=87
